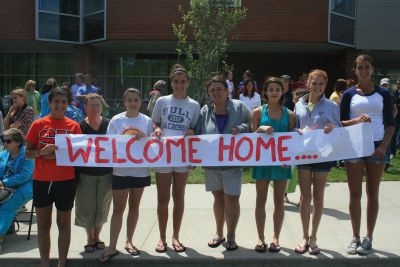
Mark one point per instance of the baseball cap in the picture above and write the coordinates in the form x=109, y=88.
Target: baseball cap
x=384, y=81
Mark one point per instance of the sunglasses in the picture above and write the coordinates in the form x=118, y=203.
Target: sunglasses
x=8, y=141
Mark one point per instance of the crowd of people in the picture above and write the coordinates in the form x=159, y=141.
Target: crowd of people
x=278, y=106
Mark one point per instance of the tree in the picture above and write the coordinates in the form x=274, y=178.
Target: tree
x=203, y=35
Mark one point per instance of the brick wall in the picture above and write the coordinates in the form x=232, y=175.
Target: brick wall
x=267, y=20
x=17, y=20
x=85, y=59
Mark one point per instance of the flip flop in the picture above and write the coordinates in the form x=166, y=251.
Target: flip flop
x=106, y=258
x=181, y=246
x=132, y=251
x=163, y=249
x=301, y=249
x=90, y=248
x=231, y=245
x=261, y=248
x=216, y=242
x=99, y=245
x=314, y=250
x=274, y=248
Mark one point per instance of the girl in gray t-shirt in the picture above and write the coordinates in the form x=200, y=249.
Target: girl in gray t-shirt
x=173, y=115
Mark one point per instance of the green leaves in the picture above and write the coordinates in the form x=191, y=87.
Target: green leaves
x=204, y=32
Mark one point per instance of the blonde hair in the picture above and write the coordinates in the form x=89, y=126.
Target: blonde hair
x=30, y=83
x=93, y=96
x=20, y=92
x=318, y=73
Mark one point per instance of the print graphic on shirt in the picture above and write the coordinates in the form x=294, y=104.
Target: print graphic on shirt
x=130, y=130
x=176, y=118
x=46, y=136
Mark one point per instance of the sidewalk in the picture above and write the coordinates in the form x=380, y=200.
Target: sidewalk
x=198, y=227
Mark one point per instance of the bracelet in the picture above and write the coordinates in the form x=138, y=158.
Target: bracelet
x=38, y=152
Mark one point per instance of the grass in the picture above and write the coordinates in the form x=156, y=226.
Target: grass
x=337, y=174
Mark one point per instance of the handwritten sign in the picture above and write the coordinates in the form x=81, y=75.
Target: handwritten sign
x=253, y=149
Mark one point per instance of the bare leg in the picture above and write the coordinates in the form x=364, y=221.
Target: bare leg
x=279, y=208
x=260, y=214
x=374, y=175
x=232, y=213
x=355, y=172
x=135, y=196
x=163, y=181
x=119, y=201
x=219, y=212
x=305, y=180
x=43, y=216
x=96, y=233
x=178, y=194
x=318, y=203
x=64, y=235
x=90, y=235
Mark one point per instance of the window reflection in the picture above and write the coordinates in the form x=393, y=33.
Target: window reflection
x=60, y=6
x=60, y=20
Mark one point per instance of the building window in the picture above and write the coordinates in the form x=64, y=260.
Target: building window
x=342, y=18
x=71, y=21
x=17, y=68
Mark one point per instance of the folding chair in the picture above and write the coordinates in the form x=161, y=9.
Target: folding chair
x=17, y=221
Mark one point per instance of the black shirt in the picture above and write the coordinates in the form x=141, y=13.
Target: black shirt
x=86, y=129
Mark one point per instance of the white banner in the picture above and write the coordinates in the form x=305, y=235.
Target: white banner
x=251, y=149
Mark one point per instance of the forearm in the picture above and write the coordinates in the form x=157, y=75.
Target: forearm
x=387, y=138
x=32, y=153
x=351, y=122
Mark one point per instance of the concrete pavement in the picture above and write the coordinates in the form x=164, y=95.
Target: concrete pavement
x=198, y=227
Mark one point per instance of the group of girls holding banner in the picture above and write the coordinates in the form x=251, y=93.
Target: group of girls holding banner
x=179, y=115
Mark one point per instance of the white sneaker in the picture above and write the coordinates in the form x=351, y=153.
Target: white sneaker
x=354, y=244
x=366, y=246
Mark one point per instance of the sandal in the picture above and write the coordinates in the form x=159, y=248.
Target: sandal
x=231, y=245
x=90, y=248
x=301, y=249
x=216, y=242
x=99, y=245
x=106, y=258
x=261, y=248
x=314, y=249
x=132, y=251
x=274, y=248
x=161, y=247
x=179, y=248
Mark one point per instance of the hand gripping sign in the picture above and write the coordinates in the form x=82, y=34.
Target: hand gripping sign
x=253, y=149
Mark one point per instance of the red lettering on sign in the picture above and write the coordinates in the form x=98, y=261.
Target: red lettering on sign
x=268, y=145
x=114, y=152
x=128, y=152
x=179, y=142
x=99, y=149
x=282, y=148
x=222, y=147
x=193, y=151
x=237, y=150
x=146, y=150
x=84, y=153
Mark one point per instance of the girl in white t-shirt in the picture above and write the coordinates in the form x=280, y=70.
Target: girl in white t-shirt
x=173, y=115
x=127, y=181
x=250, y=97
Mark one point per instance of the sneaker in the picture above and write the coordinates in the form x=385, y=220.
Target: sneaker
x=353, y=247
x=365, y=247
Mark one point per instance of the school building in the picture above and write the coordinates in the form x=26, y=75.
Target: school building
x=126, y=43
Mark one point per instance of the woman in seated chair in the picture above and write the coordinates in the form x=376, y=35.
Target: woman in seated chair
x=15, y=174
